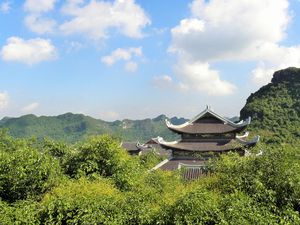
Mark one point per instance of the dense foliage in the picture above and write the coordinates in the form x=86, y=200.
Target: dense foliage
x=96, y=182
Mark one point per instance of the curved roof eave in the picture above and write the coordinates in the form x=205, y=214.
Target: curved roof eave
x=242, y=123
x=245, y=135
x=254, y=140
x=161, y=141
x=167, y=144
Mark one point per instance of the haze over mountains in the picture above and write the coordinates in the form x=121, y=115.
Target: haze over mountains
x=274, y=108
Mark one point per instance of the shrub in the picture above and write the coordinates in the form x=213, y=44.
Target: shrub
x=104, y=156
x=25, y=173
x=83, y=202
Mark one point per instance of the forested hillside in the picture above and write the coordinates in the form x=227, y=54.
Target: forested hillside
x=75, y=127
x=275, y=108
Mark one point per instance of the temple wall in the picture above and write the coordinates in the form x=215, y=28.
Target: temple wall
x=199, y=137
x=177, y=154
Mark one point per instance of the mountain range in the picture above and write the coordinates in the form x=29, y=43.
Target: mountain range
x=274, y=108
x=71, y=127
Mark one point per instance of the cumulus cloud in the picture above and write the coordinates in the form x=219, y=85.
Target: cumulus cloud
x=199, y=76
x=124, y=54
x=30, y=108
x=121, y=54
x=222, y=30
x=40, y=25
x=4, y=99
x=163, y=81
x=5, y=7
x=30, y=51
x=39, y=6
x=276, y=58
x=35, y=20
x=96, y=18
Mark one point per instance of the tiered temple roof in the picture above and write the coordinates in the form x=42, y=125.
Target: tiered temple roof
x=206, y=133
x=209, y=131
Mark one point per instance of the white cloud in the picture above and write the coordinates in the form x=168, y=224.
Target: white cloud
x=35, y=21
x=4, y=99
x=30, y=108
x=39, y=6
x=231, y=30
x=198, y=76
x=124, y=54
x=97, y=18
x=277, y=58
x=131, y=66
x=222, y=30
x=188, y=26
x=5, y=7
x=195, y=76
x=163, y=81
x=121, y=54
x=30, y=51
x=40, y=25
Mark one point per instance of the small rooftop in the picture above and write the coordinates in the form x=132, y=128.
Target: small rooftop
x=174, y=164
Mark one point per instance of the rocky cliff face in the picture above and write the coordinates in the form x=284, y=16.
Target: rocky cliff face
x=290, y=75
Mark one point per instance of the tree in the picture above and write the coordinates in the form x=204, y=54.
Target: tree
x=104, y=156
x=83, y=202
x=26, y=172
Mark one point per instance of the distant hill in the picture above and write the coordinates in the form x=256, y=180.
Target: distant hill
x=275, y=108
x=75, y=127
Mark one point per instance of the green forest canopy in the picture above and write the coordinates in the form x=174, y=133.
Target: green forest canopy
x=97, y=182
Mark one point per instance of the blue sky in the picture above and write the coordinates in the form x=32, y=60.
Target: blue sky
x=136, y=59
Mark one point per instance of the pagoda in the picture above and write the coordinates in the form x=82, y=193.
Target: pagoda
x=205, y=136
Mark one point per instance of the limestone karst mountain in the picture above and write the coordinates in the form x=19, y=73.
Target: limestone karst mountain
x=275, y=107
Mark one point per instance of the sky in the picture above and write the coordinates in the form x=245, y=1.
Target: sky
x=116, y=59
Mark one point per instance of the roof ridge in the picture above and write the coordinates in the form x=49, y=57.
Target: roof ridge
x=161, y=164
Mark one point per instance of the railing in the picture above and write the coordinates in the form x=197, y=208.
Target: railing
x=193, y=172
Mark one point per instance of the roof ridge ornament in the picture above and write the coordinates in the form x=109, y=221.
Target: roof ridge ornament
x=208, y=108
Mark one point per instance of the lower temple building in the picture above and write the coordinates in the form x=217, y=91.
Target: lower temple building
x=152, y=145
x=205, y=136
x=133, y=148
